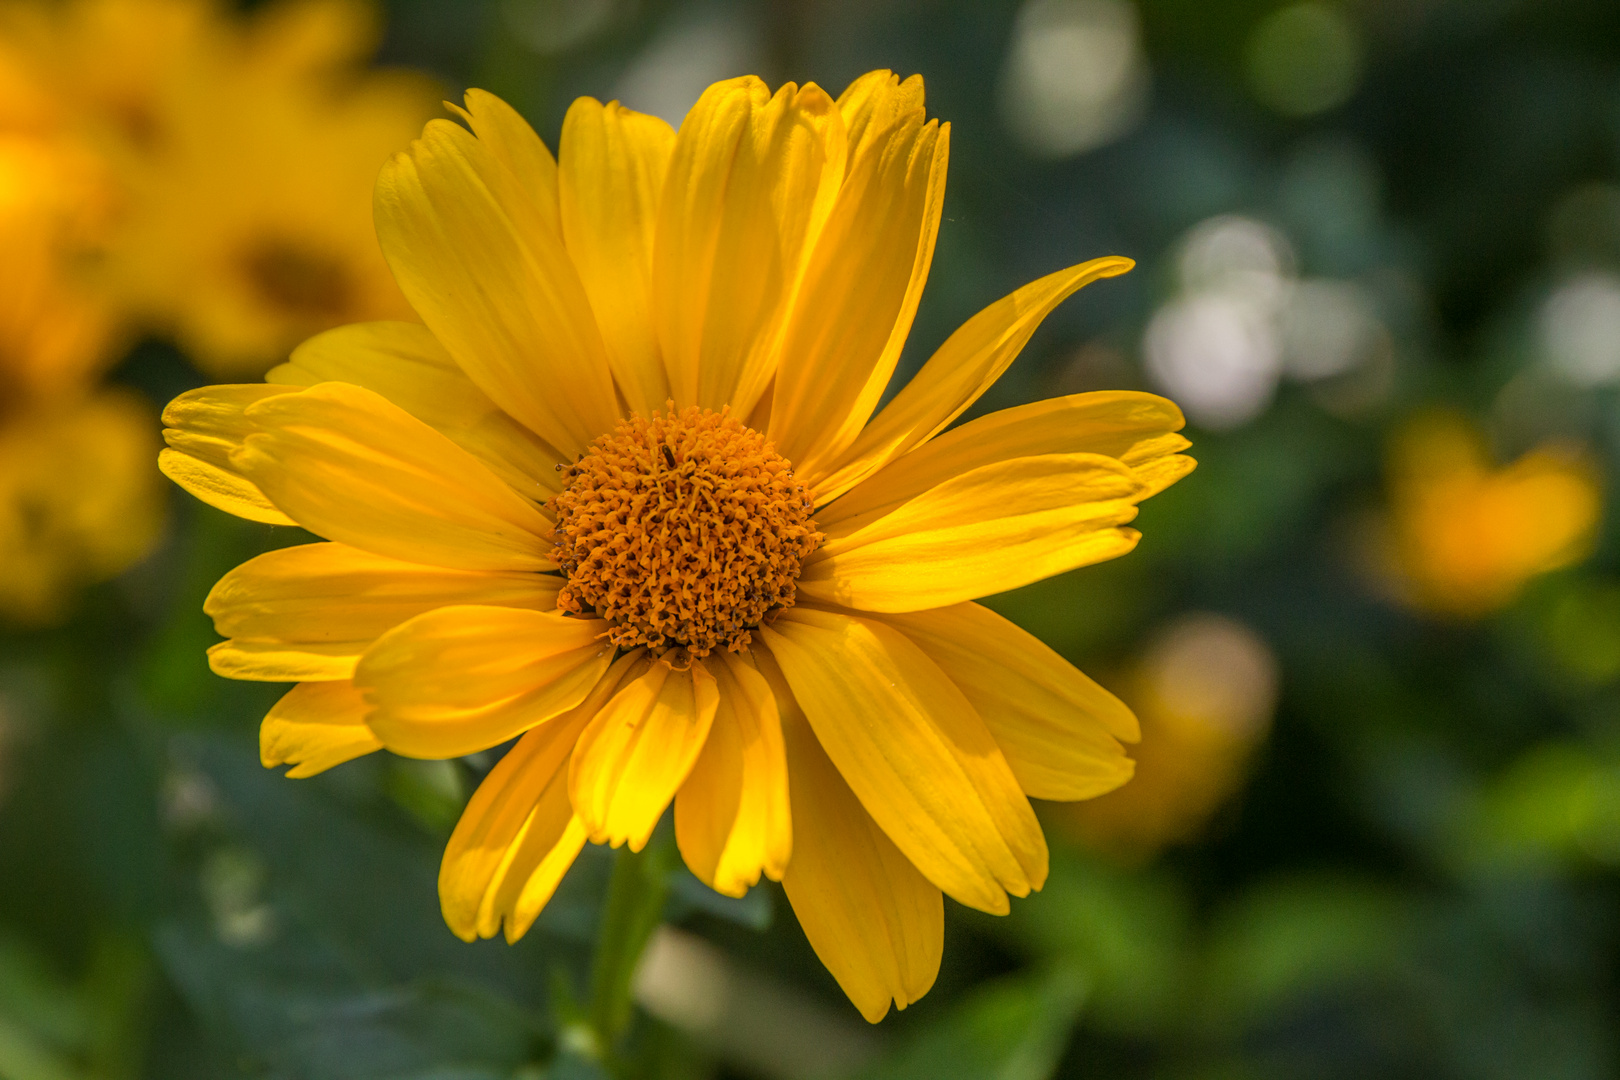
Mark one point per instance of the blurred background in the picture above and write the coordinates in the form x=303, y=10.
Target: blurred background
x=1374, y=640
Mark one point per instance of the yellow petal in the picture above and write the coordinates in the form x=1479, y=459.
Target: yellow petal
x=1059, y=730
x=860, y=294
x=203, y=427
x=731, y=816
x=613, y=165
x=871, y=916
x=638, y=750
x=516, y=838
x=874, y=101
x=1135, y=428
x=520, y=151
x=482, y=261
x=750, y=184
x=348, y=465
x=461, y=679
x=548, y=848
x=518, y=834
x=315, y=726
x=914, y=752
x=339, y=599
x=278, y=661
x=405, y=363
x=994, y=528
x=969, y=362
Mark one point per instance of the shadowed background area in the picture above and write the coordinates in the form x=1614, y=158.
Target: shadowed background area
x=1374, y=640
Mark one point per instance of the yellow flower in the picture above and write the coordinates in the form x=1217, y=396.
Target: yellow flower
x=622, y=493
x=78, y=501
x=245, y=148
x=1462, y=536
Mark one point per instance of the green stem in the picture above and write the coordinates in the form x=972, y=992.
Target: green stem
x=635, y=903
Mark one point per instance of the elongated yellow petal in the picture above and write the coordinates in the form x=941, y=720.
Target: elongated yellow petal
x=1137, y=429
x=988, y=530
x=732, y=819
x=405, y=363
x=1059, y=730
x=967, y=365
x=518, y=834
x=613, y=165
x=872, y=917
x=915, y=753
x=482, y=261
x=874, y=101
x=350, y=466
x=203, y=428
x=315, y=726
x=860, y=294
x=751, y=182
x=338, y=600
x=516, y=838
x=280, y=661
x=461, y=679
x=520, y=152
x=553, y=840
x=638, y=750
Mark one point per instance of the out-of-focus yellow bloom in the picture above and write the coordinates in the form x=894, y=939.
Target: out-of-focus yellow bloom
x=626, y=492
x=1204, y=692
x=78, y=501
x=245, y=149
x=1462, y=537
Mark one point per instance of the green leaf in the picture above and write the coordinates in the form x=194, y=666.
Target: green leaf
x=1128, y=932
x=1015, y=1029
x=688, y=895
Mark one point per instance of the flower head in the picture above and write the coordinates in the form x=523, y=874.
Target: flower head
x=1462, y=536
x=78, y=502
x=622, y=494
x=245, y=149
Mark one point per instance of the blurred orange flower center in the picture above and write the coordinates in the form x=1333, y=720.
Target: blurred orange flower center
x=683, y=531
x=298, y=280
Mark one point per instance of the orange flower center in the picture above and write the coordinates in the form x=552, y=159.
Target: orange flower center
x=683, y=530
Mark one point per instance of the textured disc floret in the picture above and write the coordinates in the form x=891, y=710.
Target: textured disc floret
x=682, y=530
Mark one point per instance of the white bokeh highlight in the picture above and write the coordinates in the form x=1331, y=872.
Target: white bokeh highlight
x=1578, y=330
x=681, y=62
x=1242, y=320
x=1075, y=76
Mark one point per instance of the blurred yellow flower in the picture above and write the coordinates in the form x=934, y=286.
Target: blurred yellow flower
x=619, y=496
x=245, y=149
x=1461, y=536
x=78, y=500
x=1205, y=690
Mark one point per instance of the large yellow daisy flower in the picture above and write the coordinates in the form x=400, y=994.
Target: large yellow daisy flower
x=622, y=493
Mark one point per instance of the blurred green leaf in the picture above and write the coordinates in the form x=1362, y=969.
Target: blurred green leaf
x=687, y=895
x=1128, y=933
x=1557, y=803
x=433, y=792
x=301, y=1011
x=1286, y=939
x=1014, y=1029
x=24, y=1057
